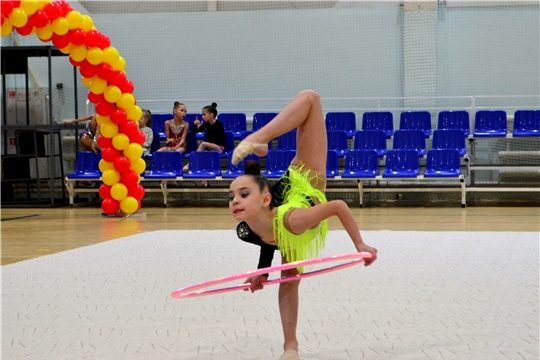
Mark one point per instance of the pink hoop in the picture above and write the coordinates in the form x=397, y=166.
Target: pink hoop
x=194, y=290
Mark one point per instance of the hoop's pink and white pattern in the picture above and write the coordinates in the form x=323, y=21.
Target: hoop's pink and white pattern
x=195, y=290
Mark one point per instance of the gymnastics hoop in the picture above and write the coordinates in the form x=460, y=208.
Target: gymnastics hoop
x=195, y=290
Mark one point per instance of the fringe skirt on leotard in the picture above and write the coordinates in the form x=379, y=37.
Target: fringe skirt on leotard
x=299, y=193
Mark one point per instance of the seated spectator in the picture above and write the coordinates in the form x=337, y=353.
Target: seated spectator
x=88, y=137
x=176, y=130
x=145, y=125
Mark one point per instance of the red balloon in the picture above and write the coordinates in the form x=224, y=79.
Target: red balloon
x=60, y=41
x=127, y=87
x=129, y=178
x=136, y=191
x=39, y=19
x=64, y=8
x=73, y=62
x=77, y=36
x=139, y=205
x=104, y=71
x=105, y=42
x=93, y=38
x=119, y=117
x=2, y=18
x=7, y=8
x=26, y=29
x=138, y=137
x=118, y=78
x=122, y=164
x=105, y=191
x=95, y=98
x=105, y=108
x=53, y=10
x=110, y=154
x=104, y=142
x=110, y=206
x=129, y=128
x=88, y=70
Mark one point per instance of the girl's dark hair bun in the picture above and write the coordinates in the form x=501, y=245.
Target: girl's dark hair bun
x=214, y=105
x=252, y=167
x=176, y=103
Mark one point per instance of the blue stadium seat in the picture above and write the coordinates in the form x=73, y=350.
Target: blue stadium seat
x=526, y=123
x=158, y=124
x=165, y=165
x=345, y=121
x=236, y=123
x=490, y=123
x=410, y=139
x=287, y=141
x=259, y=120
x=449, y=139
x=332, y=165
x=204, y=165
x=233, y=171
x=337, y=140
x=442, y=163
x=86, y=166
x=277, y=162
x=229, y=144
x=401, y=164
x=370, y=140
x=191, y=144
x=451, y=120
x=416, y=120
x=361, y=164
x=378, y=120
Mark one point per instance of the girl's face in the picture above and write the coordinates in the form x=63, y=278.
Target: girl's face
x=245, y=198
x=207, y=115
x=180, y=112
x=143, y=121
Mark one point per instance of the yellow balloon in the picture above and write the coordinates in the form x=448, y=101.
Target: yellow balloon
x=103, y=120
x=105, y=165
x=29, y=6
x=78, y=53
x=129, y=205
x=119, y=65
x=45, y=33
x=109, y=130
x=98, y=85
x=67, y=49
x=60, y=26
x=42, y=3
x=87, y=81
x=120, y=141
x=110, y=55
x=87, y=23
x=18, y=17
x=119, y=192
x=138, y=166
x=135, y=113
x=133, y=152
x=126, y=102
x=7, y=28
x=112, y=93
x=74, y=19
x=94, y=55
x=110, y=177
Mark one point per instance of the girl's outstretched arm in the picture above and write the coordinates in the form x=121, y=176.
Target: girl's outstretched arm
x=301, y=219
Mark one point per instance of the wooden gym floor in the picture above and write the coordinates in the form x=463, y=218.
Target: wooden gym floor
x=30, y=233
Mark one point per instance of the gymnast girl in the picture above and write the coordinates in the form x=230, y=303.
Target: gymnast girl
x=290, y=216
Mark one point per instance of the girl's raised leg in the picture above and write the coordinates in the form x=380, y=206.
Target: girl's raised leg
x=305, y=113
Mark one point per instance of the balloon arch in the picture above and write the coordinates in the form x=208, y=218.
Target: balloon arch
x=102, y=71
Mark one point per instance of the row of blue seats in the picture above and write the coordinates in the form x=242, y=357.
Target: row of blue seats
x=487, y=122
x=403, y=163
